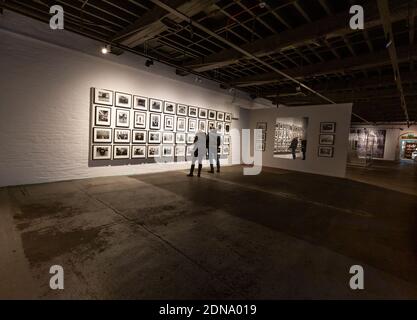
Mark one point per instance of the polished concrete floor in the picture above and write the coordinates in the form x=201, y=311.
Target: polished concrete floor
x=165, y=236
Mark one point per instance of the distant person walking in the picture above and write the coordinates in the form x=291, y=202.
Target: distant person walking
x=304, y=148
x=213, y=143
x=199, y=152
x=293, y=147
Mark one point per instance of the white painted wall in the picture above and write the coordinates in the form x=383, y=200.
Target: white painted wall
x=45, y=102
x=392, y=146
x=336, y=166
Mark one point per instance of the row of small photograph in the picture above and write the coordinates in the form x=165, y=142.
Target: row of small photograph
x=103, y=152
x=124, y=100
x=103, y=117
x=108, y=135
x=327, y=139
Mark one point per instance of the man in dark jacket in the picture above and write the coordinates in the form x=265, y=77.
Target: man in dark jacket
x=293, y=147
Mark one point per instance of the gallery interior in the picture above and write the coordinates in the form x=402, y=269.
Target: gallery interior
x=302, y=114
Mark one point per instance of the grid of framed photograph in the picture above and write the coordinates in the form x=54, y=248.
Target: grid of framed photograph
x=327, y=139
x=260, y=144
x=127, y=126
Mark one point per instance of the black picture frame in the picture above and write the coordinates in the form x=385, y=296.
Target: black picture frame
x=102, y=141
x=127, y=104
x=97, y=121
x=324, y=155
x=94, y=150
x=327, y=127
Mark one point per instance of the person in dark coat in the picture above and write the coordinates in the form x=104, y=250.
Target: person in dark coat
x=293, y=147
x=304, y=148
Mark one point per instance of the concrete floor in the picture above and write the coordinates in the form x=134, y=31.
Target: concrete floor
x=165, y=236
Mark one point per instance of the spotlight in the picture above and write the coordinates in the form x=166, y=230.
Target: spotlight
x=149, y=63
x=106, y=49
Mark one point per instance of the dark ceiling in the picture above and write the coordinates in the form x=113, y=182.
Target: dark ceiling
x=309, y=40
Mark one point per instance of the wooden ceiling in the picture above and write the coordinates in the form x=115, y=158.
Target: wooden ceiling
x=293, y=52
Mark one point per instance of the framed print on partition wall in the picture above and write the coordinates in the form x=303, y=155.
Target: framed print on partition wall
x=228, y=117
x=140, y=103
x=326, y=152
x=169, y=123
x=168, y=138
x=154, y=137
x=182, y=110
x=211, y=125
x=138, y=152
x=227, y=128
x=220, y=116
x=170, y=107
x=202, y=113
x=180, y=138
x=121, y=136
x=139, y=136
x=180, y=151
x=154, y=151
x=102, y=135
x=212, y=115
x=155, y=121
x=190, y=151
x=260, y=146
x=262, y=126
x=121, y=152
x=220, y=127
x=102, y=96
x=167, y=151
x=155, y=105
x=190, y=138
x=226, y=140
x=102, y=116
x=192, y=125
x=226, y=150
x=122, y=118
x=139, y=120
x=102, y=152
x=327, y=139
x=202, y=125
x=123, y=100
x=181, y=124
x=193, y=112
x=328, y=127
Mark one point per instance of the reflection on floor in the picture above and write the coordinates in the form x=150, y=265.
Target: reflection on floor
x=277, y=235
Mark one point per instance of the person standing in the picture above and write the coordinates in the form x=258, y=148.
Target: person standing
x=213, y=143
x=199, y=151
x=293, y=147
x=304, y=148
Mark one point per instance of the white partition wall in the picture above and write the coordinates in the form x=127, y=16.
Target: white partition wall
x=339, y=114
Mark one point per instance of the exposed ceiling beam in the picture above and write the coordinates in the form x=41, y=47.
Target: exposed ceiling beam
x=329, y=27
x=376, y=59
x=384, y=11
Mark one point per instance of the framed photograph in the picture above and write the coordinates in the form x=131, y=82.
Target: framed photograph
x=122, y=118
x=154, y=151
x=139, y=152
x=170, y=107
x=226, y=140
x=227, y=127
x=193, y=112
x=101, y=153
x=121, y=136
x=192, y=125
x=168, y=138
x=155, y=105
x=220, y=127
x=328, y=127
x=327, y=139
x=228, y=117
x=180, y=151
x=181, y=124
x=220, y=116
x=190, y=138
x=139, y=121
x=262, y=126
x=259, y=135
x=121, y=152
x=182, y=110
x=202, y=125
x=212, y=115
x=140, y=103
x=326, y=152
x=226, y=150
x=260, y=146
x=180, y=138
x=139, y=136
x=203, y=113
x=104, y=97
x=155, y=121
x=167, y=151
x=102, y=135
x=102, y=116
x=123, y=100
x=154, y=137
x=190, y=151
x=211, y=125
x=169, y=123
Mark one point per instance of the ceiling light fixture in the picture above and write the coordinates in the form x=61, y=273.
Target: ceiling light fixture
x=149, y=63
x=106, y=49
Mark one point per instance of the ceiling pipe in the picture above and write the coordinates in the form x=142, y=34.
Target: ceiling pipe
x=244, y=52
